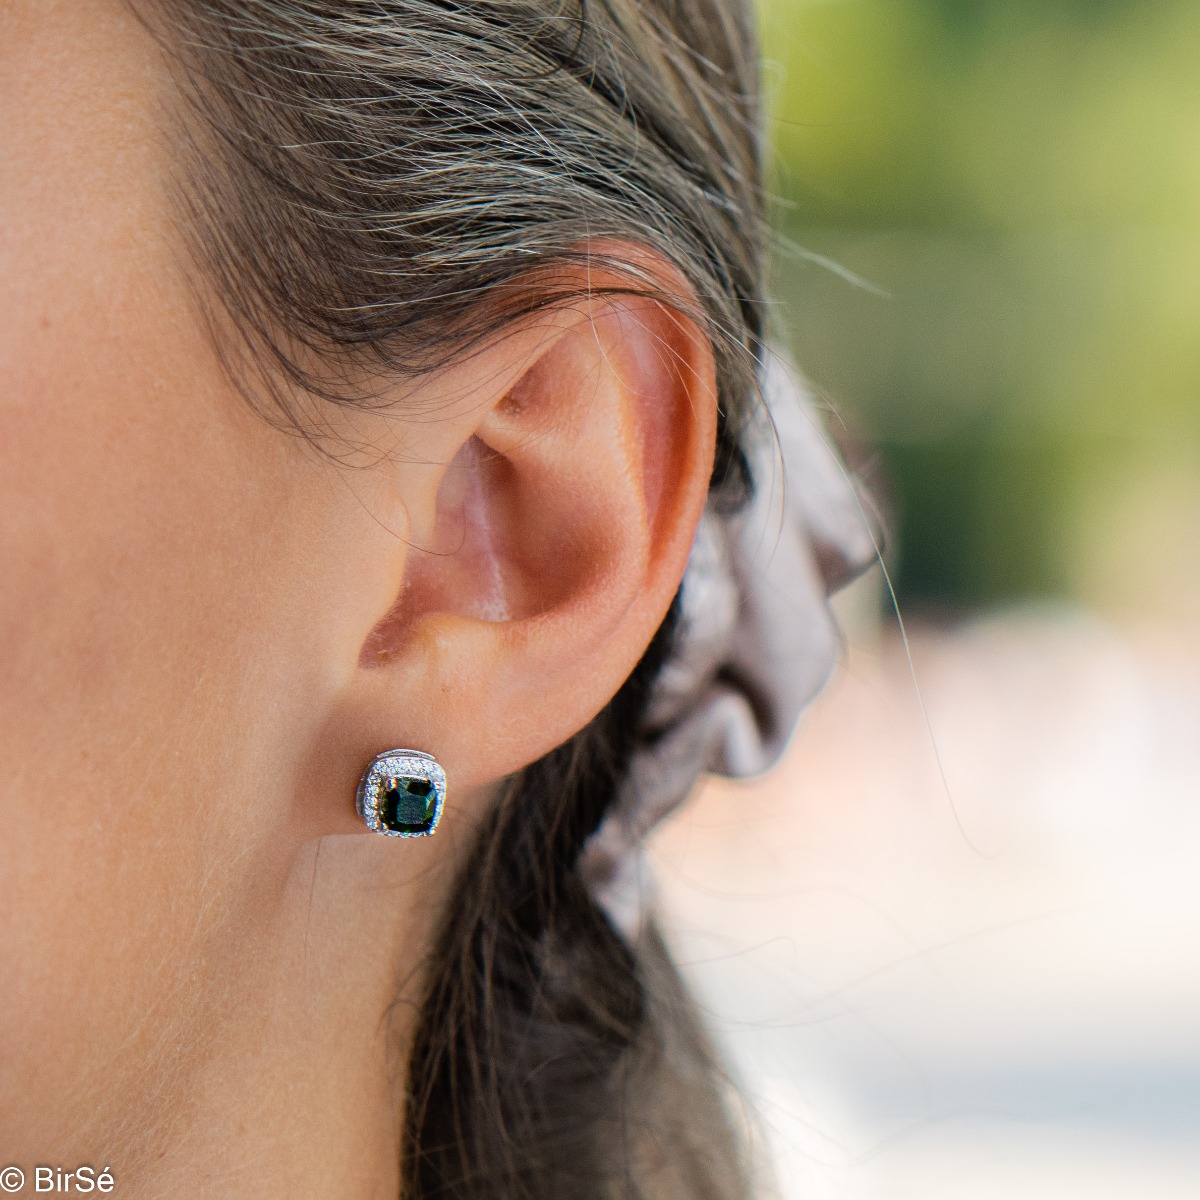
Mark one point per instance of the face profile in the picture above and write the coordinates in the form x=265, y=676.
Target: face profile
x=366, y=375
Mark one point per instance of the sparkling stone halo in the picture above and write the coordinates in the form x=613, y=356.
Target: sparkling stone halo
x=399, y=764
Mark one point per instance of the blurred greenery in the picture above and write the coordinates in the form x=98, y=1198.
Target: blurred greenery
x=989, y=238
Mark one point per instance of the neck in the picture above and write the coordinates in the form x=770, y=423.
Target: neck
x=300, y=1090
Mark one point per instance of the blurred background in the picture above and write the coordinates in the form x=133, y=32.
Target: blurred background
x=953, y=944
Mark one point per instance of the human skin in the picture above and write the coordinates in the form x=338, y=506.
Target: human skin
x=208, y=628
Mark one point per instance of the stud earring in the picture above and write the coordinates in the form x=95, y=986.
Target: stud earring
x=401, y=793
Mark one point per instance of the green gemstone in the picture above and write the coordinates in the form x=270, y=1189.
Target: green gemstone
x=408, y=805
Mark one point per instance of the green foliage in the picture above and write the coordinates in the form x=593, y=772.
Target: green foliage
x=1021, y=179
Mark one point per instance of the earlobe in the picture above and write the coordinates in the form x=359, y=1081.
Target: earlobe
x=563, y=525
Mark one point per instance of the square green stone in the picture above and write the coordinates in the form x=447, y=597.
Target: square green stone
x=408, y=804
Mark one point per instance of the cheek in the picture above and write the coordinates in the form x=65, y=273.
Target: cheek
x=167, y=563
x=150, y=600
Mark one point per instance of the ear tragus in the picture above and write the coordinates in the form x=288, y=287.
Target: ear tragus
x=461, y=570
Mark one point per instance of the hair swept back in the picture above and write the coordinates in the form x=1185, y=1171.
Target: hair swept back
x=371, y=188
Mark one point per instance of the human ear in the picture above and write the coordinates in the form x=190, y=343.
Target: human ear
x=549, y=521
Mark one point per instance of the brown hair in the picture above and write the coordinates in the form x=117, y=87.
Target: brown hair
x=361, y=177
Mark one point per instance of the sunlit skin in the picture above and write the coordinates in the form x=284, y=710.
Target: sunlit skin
x=207, y=629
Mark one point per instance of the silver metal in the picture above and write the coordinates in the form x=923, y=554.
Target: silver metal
x=378, y=777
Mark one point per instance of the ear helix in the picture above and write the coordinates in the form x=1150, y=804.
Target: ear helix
x=402, y=793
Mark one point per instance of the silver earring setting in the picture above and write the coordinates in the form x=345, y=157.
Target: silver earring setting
x=402, y=793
